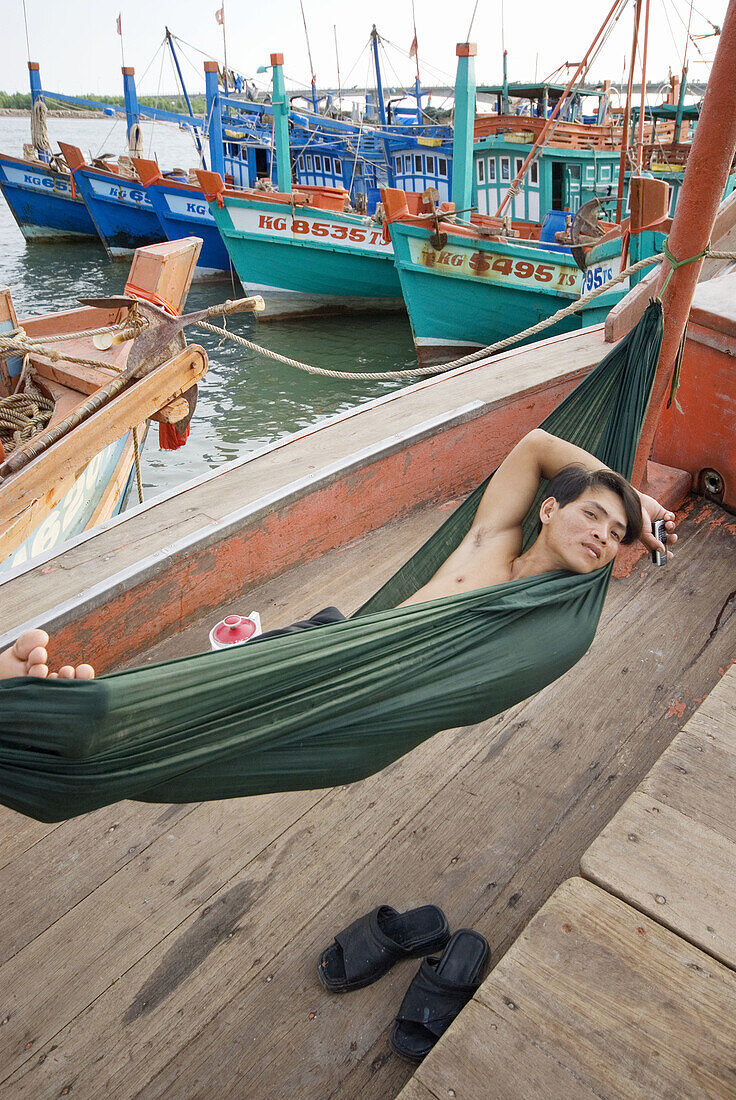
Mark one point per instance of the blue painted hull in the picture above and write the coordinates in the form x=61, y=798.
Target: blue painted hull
x=183, y=211
x=41, y=201
x=120, y=209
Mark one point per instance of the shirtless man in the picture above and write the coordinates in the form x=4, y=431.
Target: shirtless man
x=589, y=512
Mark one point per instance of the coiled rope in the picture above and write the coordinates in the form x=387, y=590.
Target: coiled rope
x=23, y=415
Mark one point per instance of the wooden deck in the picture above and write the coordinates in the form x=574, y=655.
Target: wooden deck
x=616, y=988
x=170, y=951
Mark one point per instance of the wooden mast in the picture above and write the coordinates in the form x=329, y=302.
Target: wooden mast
x=706, y=174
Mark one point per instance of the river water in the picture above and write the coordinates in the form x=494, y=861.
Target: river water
x=245, y=400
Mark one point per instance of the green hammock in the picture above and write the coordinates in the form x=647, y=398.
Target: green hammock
x=335, y=704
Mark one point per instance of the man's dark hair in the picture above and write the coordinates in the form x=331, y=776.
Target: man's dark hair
x=572, y=481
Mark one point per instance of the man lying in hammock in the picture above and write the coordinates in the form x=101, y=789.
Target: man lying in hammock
x=589, y=511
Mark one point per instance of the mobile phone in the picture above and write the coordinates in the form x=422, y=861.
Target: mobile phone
x=660, y=532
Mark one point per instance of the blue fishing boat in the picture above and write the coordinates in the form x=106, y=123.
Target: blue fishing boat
x=44, y=201
x=122, y=212
x=38, y=187
x=182, y=210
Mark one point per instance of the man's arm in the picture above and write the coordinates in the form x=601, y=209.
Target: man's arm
x=538, y=455
x=514, y=485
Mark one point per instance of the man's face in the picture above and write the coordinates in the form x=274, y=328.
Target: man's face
x=584, y=535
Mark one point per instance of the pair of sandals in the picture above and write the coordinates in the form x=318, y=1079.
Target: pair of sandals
x=365, y=950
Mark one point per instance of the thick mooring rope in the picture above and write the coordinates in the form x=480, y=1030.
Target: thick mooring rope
x=472, y=357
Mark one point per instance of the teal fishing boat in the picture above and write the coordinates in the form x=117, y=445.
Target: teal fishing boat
x=469, y=283
x=305, y=249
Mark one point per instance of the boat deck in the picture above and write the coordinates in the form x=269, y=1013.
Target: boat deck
x=616, y=987
x=170, y=951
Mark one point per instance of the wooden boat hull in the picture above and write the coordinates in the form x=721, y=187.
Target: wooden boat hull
x=98, y=493
x=317, y=260
x=183, y=211
x=42, y=202
x=471, y=292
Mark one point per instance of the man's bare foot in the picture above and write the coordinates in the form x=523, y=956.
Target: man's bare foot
x=28, y=657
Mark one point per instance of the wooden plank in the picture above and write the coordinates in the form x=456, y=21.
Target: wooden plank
x=66, y=864
x=627, y=1007
x=630, y=1009
x=484, y=1055
x=18, y=834
x=697, y=777
x=671, y=849
x=482, y=821
x=132, y=910
x=672, y=868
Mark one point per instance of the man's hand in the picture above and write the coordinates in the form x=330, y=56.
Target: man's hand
x=651, y=509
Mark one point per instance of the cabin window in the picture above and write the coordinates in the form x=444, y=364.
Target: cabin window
x=479, y=164
x=317, y=162
x=328, y=164
x=519, y=163
x=505, y=168
x=398, y=163
x=534, y=172
x=407, y=163
x=430, y=164
x=491, y=169
x=309, y=162
x=338, y=167
x=605, y=173
x=418, y=164
x=442, y=166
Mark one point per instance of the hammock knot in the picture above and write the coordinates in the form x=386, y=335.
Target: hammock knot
x=674, y=264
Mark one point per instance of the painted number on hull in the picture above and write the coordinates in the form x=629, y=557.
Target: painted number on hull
x=522, y=269
x=597, y=276
x=300, y=227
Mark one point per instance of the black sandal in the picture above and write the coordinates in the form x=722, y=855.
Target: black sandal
x=369, y=947
x=440, y=990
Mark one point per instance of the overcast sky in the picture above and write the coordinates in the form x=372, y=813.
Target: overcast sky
x=79, y=51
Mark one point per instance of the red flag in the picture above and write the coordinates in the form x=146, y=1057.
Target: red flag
x=119, y=24
x=413, y=50
x=220, y=15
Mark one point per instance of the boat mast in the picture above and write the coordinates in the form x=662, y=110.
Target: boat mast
x=706, y=174
x=213, y=117
x=280, y=105
x=132, y=111
x=197, y=142
x=315, y=101
x=463, y=125
x=627, y=115
x=642, y=109
x=382, y=107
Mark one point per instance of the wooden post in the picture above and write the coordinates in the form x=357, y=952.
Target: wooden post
x=706, y=173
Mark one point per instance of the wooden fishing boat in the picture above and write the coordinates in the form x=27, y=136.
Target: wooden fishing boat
x=149, y=910
x=118, y=205
x=73, y=468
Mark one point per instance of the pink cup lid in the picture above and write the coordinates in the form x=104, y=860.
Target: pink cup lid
x=234, y=629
